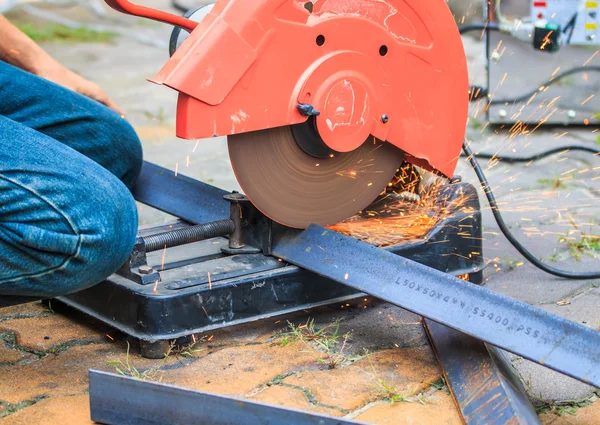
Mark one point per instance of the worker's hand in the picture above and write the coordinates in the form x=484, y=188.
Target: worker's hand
x=67, y=78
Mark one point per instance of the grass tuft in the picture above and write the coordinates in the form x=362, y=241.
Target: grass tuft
x=62, y=33
x=326, y=339
x=125, y=368
x=562, y=408
x=585, y=244
x=553, y=184
x=389, y=392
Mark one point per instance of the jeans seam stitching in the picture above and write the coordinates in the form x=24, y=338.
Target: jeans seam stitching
x=63, y=215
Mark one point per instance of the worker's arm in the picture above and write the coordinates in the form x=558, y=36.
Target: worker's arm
x=17, y=49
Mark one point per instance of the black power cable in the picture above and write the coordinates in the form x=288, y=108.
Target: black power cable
x=556, y=79
x=478, y=27
x=514, y=159
x=514, y=242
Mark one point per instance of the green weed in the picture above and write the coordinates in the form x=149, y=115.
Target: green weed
x=326, y=339
x=389, y=392
x=440, y=384
x=561, y=408
x=9, y=409
x=553, y=184
x=57, y=32
x=585, y=244
x=125, y=368
x=160, y=116
x=513, y=263
x=475, y=123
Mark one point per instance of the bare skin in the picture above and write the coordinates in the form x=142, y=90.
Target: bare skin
x=19, y=50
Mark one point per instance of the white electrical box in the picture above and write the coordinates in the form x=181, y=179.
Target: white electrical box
x=583, y=15
x=528, y=85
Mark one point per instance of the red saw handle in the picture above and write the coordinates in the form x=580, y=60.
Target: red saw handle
x=125, y=6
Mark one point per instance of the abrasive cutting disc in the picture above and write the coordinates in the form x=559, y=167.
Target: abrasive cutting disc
x=296, y=189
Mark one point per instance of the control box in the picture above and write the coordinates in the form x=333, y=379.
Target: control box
x=546, y=69
x=580, y=18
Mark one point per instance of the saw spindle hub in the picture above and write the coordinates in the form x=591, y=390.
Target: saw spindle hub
x=307, y=137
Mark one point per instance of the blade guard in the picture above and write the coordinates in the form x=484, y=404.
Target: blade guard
x=394, y=69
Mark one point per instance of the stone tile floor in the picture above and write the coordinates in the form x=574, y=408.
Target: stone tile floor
x=45, y=354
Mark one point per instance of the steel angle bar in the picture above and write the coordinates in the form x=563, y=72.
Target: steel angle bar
x=118, y=400
x=544, y=338
x=482, y=383
x=181, y=196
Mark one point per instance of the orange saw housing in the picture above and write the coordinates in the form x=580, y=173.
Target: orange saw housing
x=392, y=69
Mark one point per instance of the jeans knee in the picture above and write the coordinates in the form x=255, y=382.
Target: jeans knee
x=133, y=148
x=121, y=147
x=108, y=244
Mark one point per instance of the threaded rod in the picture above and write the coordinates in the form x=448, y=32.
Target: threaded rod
x=191, y=234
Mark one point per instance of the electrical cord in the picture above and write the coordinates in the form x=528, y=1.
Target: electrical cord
x=559, y=77
x=504, y=228
x=514, y=159
x=478, y=27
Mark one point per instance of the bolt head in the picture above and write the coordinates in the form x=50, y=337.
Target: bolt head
x=502, y=113
x=571, y=114
x=145, y=270
x=384, y=118
x=235, y=197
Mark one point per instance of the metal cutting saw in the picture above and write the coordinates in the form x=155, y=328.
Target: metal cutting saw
x=322, y=103
x=321, y=100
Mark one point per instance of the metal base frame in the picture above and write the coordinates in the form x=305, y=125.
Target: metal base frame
x=199, y=287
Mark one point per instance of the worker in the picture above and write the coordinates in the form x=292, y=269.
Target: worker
x=68, y=162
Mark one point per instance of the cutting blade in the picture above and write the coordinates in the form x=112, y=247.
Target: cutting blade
x=296, y=189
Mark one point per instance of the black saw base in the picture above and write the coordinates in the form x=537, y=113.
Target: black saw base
x=198, y=287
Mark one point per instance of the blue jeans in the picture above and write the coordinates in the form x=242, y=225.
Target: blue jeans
x=67, y=164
